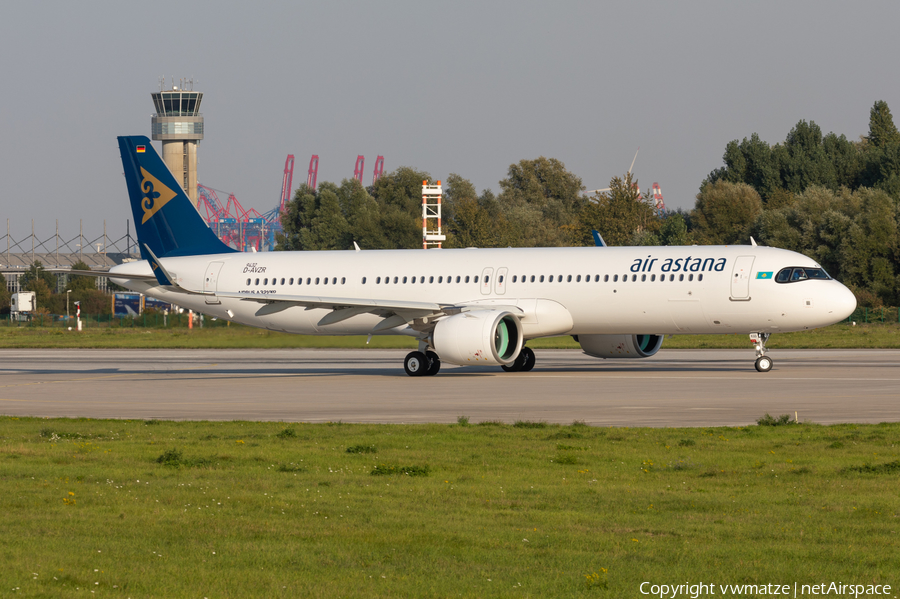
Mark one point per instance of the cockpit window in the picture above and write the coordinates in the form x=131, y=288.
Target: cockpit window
x=797, y=273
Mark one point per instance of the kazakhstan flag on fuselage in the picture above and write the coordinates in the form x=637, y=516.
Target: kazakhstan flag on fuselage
x=764, y=275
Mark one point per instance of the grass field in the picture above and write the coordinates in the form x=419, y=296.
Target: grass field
x=241, y=509
x=836, y=336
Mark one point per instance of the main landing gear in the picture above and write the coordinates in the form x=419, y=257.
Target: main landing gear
x=428, y=363
x=422, y=363
x=523, y=362
x=763, y=362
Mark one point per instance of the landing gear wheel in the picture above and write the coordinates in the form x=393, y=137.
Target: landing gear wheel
x=764, y=364
x=434, y=363
x=515, y=365
x=415, y=364
x=528, y=354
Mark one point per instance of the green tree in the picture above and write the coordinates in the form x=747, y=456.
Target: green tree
x=854, y=235
x=543, y=201
x=471, y=220
x=36, y=271
x=620, y=215
x=41, y=291
x=803, y=161
x=673, y=230
x=725, y=212
x=871, y=251
x=399, y=199
x=882, y=131
x=76, y=282
x=751, y=161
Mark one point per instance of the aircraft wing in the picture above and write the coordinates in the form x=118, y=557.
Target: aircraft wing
x=394, y=312
x=101, y=273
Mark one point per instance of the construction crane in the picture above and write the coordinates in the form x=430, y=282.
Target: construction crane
x=313, y=172
x=241, y=228
x=379, y=169
x=358, y=170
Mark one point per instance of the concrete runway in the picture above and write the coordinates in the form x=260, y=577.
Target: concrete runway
x=673, y=388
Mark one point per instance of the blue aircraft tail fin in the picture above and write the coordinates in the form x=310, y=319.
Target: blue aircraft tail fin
x=165, y=219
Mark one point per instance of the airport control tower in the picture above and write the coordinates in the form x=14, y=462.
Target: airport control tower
x=178, y=124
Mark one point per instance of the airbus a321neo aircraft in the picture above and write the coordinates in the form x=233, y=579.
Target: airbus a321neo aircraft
x=472, y=306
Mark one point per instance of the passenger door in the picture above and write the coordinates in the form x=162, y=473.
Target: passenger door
x=740, y=279
x=211, y=281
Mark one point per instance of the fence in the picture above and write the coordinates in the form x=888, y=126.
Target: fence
x=157, y=320
x=154, y=320
x=887, y=314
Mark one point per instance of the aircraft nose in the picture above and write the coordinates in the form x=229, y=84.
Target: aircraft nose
x=843, y=302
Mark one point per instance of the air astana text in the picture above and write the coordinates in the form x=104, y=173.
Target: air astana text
x=689, y=264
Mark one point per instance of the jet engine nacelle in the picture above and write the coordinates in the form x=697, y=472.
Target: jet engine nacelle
x=478, y=337
x=620, y=346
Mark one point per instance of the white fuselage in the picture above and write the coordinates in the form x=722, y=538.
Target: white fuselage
x=621, y=290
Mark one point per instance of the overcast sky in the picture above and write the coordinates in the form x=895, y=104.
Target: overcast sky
x=445, y=87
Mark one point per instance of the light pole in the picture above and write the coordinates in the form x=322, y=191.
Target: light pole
x=68, y=291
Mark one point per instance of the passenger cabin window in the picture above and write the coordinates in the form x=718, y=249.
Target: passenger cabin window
x=248, y=282
x=363, y=280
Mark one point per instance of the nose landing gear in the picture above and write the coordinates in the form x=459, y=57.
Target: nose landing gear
x=763, y=362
